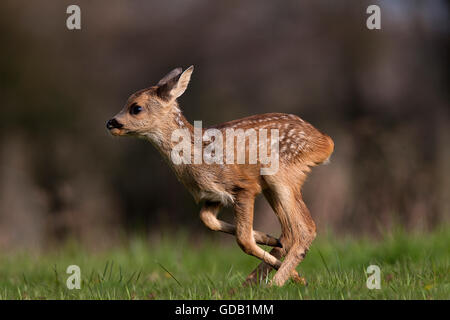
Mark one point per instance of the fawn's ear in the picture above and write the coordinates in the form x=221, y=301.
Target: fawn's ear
x=172, y=74
x=173, y=85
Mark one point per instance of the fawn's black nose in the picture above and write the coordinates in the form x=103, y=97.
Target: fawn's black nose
x=113, y=123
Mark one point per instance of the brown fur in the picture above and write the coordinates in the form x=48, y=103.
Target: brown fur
x=301, y=147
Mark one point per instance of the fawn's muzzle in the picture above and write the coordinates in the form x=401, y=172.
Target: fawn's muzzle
x=113, y=124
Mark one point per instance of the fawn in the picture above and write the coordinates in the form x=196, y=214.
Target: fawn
x=153, y=114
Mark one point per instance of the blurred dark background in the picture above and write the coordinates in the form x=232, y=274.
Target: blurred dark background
x=382, y=95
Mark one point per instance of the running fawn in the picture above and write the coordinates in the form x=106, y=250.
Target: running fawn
x=294, y=147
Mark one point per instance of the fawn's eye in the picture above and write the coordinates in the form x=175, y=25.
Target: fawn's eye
x=135, y=109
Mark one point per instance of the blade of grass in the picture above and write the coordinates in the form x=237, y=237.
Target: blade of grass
x=169, y=274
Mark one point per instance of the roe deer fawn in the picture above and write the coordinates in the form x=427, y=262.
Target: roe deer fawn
x=153, y=114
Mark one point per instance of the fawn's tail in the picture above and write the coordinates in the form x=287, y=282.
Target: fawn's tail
x=323, y=148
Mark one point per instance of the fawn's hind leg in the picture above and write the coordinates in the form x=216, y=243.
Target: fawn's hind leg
x=262, y=271
x=301, y=232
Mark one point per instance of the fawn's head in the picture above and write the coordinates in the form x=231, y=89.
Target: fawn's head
x=146, y=109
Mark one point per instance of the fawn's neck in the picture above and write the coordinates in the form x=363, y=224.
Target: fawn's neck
x=162, y=137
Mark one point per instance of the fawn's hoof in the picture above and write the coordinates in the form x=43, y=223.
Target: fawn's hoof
x=296, y=278
x=299, y=279
x=253, y=280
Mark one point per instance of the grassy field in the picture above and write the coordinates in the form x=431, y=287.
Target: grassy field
x=412, y=267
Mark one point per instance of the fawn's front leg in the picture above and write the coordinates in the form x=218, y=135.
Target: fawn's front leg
x=208, y=215
x=244, y=230
x=262, y=271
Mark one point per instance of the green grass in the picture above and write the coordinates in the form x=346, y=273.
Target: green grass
x=413, y=266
